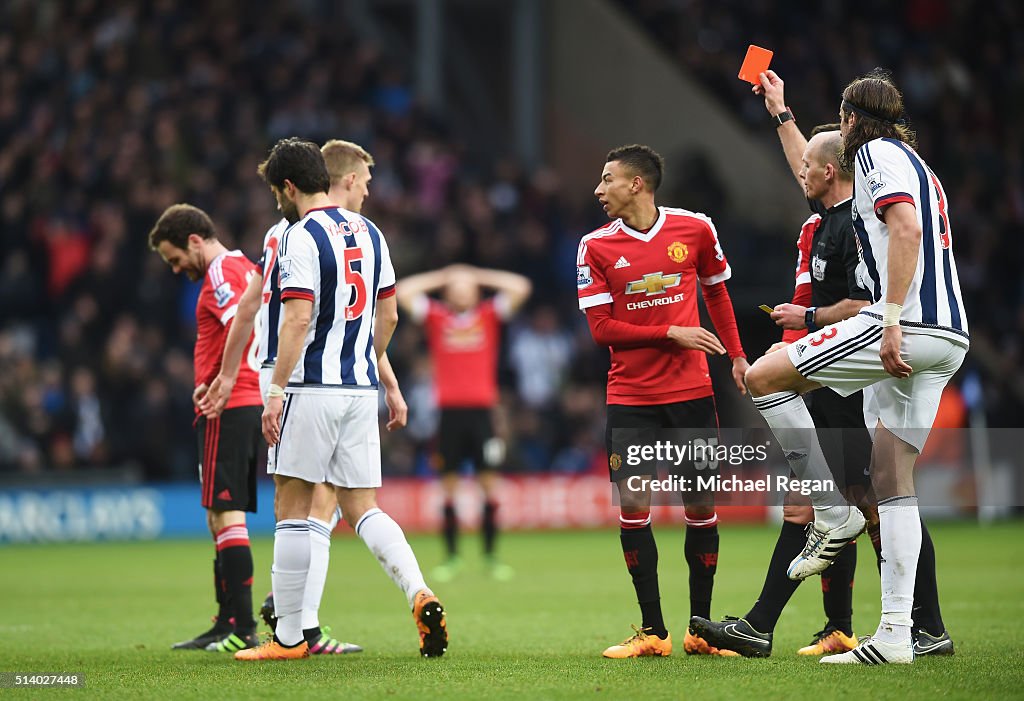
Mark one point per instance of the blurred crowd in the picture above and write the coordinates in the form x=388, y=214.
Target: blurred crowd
x=111, y=111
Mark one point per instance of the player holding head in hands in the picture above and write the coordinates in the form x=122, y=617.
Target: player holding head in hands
x=185, y=238
x=463, y=332
x=636, y=279
x=338, y=315
x=348, y=166
x=902, y=349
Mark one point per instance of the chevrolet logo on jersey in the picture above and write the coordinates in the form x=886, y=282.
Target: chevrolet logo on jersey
x=653, y=284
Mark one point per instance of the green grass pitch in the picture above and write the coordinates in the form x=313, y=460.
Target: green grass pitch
x=111, y=611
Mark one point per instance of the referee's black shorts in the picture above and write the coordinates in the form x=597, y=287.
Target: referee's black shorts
x=632, y=426
x=228, y=449
x=844, y=438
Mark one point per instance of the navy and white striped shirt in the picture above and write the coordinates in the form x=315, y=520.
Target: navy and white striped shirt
x=339, y=261
x=888, y=171
x=268, y=320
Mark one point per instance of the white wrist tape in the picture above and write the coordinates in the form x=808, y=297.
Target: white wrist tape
x=275, y=391
x=891, y=314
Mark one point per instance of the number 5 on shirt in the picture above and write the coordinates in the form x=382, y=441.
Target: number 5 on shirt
x=355, y=278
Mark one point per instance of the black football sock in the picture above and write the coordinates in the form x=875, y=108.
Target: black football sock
x=926, y=613
x=701, y=550
x=778, y=587
x=450, y=529
x=490, y=526
x=641, y=554
x=236, y=564
x=837, y=589
x=220, y=590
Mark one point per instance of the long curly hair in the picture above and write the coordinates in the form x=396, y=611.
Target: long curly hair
x=878, y=104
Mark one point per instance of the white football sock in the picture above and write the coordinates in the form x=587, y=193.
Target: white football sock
x=900, y=528
x=787, y=415
x=387, y=542
x=336, y=518
x=288, y=577
x=319, y=557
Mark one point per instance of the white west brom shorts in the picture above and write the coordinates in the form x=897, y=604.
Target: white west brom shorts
x=330, y=437
x=844, y=357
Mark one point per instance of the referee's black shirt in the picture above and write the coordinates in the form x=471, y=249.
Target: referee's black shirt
x=834, y=258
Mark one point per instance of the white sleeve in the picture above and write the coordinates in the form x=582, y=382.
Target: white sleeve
x=885, y=171
x=387, y=269
x=299, y=271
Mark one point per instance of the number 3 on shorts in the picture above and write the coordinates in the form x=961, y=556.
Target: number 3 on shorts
x=355, y=278
x=825, y=335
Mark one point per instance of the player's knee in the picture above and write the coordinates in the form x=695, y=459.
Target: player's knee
x=355, y=504
x=800, y=514
x=759, y=379
x=634, y=501
x=700, y=515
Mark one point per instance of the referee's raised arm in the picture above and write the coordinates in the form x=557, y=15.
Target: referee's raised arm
x=793, y=142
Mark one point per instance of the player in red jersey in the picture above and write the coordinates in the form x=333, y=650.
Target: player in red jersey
x=463, y=334
x=637, y=281
x=185, y=238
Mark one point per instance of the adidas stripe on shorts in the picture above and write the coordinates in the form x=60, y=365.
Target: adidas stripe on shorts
x=844, y=357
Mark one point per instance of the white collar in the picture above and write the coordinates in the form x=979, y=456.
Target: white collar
x=651, y=233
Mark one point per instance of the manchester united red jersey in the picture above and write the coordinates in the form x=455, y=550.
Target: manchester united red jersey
x=802, y=287
x=225, y=281
x=464, y=348
x=650, y=279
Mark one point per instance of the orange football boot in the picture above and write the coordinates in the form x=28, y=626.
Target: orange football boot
x=641, y=644
x=430, y=622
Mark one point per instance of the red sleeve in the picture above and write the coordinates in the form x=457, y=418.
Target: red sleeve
x=611, y=332
x=712, y=267
x=802, y=288
x=591, y=285
x=716, y=298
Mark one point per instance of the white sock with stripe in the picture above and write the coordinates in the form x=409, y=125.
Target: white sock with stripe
x=288, y=577
x=387, y=542
x=787, y=415
x=900, y=527
x=319, y=557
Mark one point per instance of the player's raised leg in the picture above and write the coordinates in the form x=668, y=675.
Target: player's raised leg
x=775, y=385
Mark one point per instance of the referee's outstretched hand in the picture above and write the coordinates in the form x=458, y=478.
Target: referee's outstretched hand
x=773, y=89
x=696, y=338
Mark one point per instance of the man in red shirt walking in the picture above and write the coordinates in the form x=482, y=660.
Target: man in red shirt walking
x=463, y=334
x=636, y=279
x=185, y=238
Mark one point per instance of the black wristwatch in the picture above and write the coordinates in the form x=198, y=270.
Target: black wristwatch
x=809, y=319
x=782, y=117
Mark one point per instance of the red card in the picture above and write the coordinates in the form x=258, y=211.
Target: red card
x=756, y=61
